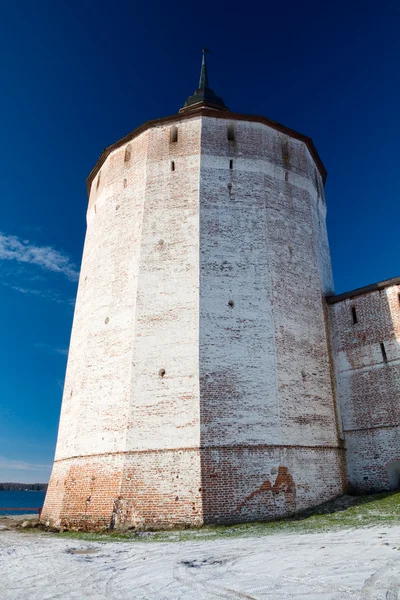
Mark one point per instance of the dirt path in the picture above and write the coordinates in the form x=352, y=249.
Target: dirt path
x=345, y=565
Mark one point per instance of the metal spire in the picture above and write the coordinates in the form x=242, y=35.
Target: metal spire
x=203, y=83
x=204, y=95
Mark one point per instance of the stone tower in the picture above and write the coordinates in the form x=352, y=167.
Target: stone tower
x=199, y=387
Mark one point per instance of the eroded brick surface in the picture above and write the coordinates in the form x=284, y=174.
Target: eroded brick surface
x=258, y=482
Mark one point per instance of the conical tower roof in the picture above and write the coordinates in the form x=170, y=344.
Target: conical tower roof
x=204, y=95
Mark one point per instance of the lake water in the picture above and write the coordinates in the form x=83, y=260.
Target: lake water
x=20, y=500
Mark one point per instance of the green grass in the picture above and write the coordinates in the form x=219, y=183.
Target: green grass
x=366, y=511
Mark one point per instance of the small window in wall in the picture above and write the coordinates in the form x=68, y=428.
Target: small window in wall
x=231, y=164
x=172, y=165
x=383, y=350
x=173, y=135
x=98, y=181
x=128, y=151
x=354, y=315
x=398, y=298
x=231, y=133
x=316, y=182
x=285, y=151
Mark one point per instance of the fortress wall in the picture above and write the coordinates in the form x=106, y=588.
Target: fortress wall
x=368, y=384
x=258, y=482
x=297, y=251
x=137, y=489
x=318, y=211
x=264, y=365
x=136, y=313
x=161, y=483
x=97, y=385
x=161, y=489
x=96, y=396
x=83, y=490
x=237, y=344
x=165, y=410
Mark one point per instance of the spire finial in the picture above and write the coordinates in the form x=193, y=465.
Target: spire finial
x=203, y=83
x=204, y=95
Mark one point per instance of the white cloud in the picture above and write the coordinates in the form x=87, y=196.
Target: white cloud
x=19, y=465
x=63, y=351
x=45, y=257
x=52, y=297
x=42, y=346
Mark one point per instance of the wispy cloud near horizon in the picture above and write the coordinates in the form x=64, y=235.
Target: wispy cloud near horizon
x=51, y=296
x=45, y=257
x=21, y=471
x=51, y=349
x=19, y=465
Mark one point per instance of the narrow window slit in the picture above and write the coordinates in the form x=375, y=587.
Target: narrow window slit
x=317, y=183
x=231, y=164
x=172, y=165
x=231, y=133
x=285, y=151
x=173, y=135
x=286, y=176
x=354, y=315
x=127, y=156
x=398, y=298
x=383, y=350
x=98, y=181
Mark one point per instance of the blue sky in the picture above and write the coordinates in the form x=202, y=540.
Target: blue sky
x=78, y=76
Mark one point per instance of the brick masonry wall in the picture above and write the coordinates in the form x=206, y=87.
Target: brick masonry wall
x=83, y=491
x=136, y=314
x=265, y=376
x=368, y=386
x=139, y=489
x=257, y=482
x=178, y=407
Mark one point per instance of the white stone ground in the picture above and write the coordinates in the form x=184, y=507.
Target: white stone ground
x=362, y=564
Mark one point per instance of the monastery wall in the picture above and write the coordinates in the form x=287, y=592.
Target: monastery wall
x=266, y=400
x=131, y=396
x=366, y=344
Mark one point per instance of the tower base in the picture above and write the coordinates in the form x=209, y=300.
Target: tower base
x=191, y=487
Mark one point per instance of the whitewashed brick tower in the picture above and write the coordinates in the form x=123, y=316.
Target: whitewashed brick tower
x=198, y=386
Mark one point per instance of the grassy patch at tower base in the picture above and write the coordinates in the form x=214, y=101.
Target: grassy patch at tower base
x=343, y=513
